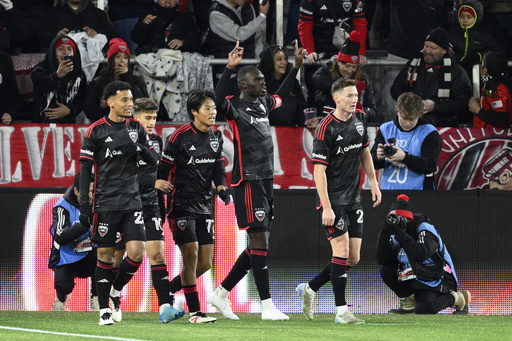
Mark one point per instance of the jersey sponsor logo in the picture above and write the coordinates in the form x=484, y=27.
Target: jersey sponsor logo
x=258, y=119
x=347, y=5
x=360, y=128
x=142, y=163
x=192, y=148
x=134, y=135
x=102, y=229
x=339, y=138
x=113, y=153
x=167, y=157
x=305, y=11
x=215, y=145
x=193, y=161
x=343, y=150
x=259, y=214
x=319, y=156
x=109, y=139
x=85, y=151
x=181, y=223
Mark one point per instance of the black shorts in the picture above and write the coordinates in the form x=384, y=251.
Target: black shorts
x=254, y=205
x=153, y=222
x=348, y=218
x=130, y=224
x=64, y=275
x=188, y=227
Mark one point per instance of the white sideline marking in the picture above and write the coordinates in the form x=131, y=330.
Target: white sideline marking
x=68, y=334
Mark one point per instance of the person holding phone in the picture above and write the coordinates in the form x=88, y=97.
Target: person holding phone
x=59, y=83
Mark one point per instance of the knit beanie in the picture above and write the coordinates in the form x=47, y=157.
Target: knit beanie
x=117, y=45
x=439, y=37
x=349, y=52
x=401, y=207
x=469, y=9
x=66, y=40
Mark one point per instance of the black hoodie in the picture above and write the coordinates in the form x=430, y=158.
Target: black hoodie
x=49, y=88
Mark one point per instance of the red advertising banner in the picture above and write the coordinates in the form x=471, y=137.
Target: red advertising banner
x=42, y=155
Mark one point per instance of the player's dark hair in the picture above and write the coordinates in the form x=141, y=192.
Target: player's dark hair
x=244, y=71
x=144, y=105
x=410, y=105
x=341, y=83
x=495, y=62
x=195, y=100
x=113, y=87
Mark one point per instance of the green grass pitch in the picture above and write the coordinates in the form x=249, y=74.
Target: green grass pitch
x=22, y=325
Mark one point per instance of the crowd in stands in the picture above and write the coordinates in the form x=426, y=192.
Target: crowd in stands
x=438, y=41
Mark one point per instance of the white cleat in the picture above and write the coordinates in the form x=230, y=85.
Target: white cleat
x=223, y=305
x=348, y=318
x=199, y=317
x=273, y=315
x=114, y=304
x=106, y=319
x=307, y=300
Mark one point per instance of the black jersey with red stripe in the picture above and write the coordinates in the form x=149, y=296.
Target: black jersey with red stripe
x=147, y=174
x=337, y=145
x=115, y=185
x=252, y=138
x=192, y=157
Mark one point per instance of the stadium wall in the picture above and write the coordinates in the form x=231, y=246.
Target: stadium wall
x=474, y=226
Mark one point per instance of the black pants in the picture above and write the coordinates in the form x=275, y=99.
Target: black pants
x=428, y=301
x=64, y=275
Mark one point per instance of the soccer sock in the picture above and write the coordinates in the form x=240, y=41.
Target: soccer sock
x=127, y=269
x=160, y=278
x=192, y=298
x=175, y=285
x=238, y=271
x=104, y=279
x=323, y=277
x=260, y=272
x=339, y=279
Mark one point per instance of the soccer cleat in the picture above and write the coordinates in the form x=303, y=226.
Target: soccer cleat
x=348, y=318
x=106, y=319
x=169, y=313
x=58, y=305
x=407, y=305
x=273, y=315
x=199, y=317
x=114, y=304
x=223, y=305
x=307, y=300
x=95, y=306
x=466, y=295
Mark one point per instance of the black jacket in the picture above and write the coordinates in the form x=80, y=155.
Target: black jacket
x=62, y=16
x=49, y=88
x=152, y=37
x=92, y=108
x=9, y=95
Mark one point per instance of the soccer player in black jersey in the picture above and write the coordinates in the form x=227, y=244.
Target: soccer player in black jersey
x=145, y=111
x=252, y=175
x=194, y=157
x=340, y=148
x=111, y=145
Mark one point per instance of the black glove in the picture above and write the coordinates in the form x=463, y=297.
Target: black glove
x=129, y=150
x=85, y=216
x=223, y=194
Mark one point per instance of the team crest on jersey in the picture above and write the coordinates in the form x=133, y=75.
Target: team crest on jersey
x=181, y=223
x=102, y=229
x=215, y=145
x=133, y=135
x=339, y=224
x=156, y=146
x=347, y=5
x=119, y=237
x=259, y=214
x=359, y=128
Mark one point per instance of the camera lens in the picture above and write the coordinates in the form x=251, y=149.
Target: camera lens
x=393, y=219
x=389, y=150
